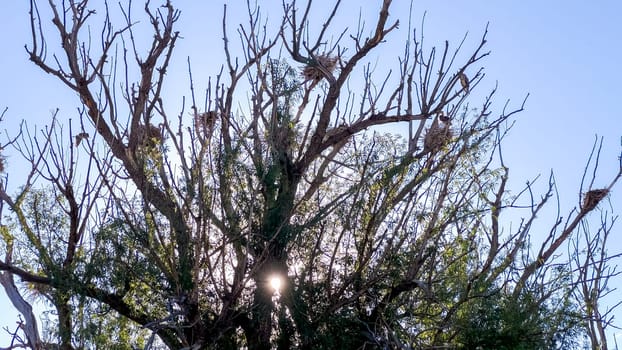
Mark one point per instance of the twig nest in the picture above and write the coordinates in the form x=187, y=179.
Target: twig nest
x=204, y=123
x=149, y=136
x=437, y=136
x=592, y=198
x=314, y=72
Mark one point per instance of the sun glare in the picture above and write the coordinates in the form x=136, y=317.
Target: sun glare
x=276, y=283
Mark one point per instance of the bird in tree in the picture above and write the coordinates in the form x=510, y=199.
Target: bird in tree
x=464, y=81
x=81, y=136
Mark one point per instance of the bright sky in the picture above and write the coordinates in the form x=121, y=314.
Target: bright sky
x=565, y=54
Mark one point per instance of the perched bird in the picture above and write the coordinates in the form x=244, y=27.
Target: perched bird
x=81, y=136
x=464, y=81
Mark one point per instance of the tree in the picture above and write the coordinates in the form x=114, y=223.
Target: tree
x=593, y=270
x=179, y=228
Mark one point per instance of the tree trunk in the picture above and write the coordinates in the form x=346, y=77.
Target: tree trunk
x=259, y=337
x=64, y=321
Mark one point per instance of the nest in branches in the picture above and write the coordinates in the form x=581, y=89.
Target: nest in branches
x=437, y=136
x=1, y=164
x=314, y=71
x=149, y=136
x=592, y=198
x=204, y=123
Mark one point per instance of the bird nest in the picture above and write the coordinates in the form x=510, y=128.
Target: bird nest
x=437, y=136
x=592, y=198
x=150, y=135
x=204, y=122
x=314, y=70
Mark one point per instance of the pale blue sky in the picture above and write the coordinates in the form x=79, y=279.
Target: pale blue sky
x=565, y=54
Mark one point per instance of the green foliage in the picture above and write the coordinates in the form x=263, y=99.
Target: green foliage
x=500, y=321
x=105, y=329
x=284, y=85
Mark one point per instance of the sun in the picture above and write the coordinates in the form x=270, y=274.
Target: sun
x=276, y=282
